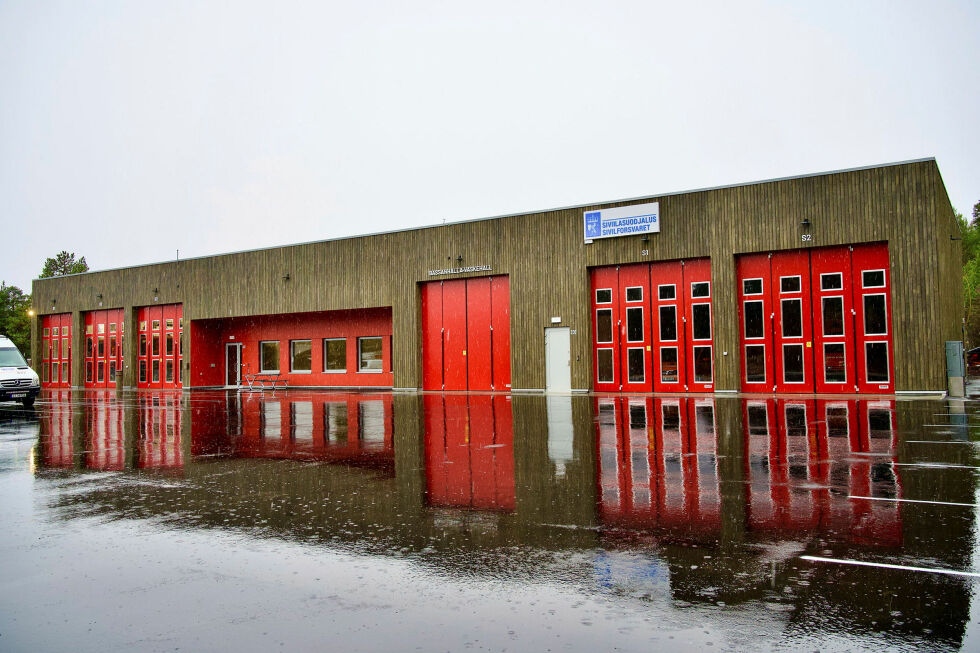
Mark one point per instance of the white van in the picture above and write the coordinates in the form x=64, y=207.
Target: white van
x=18, y=382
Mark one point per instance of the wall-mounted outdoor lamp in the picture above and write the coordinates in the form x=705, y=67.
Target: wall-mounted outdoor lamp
x=806, y=223
x=459, y=261
x=285, y=277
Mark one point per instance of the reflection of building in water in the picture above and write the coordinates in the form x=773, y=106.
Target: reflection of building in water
x=159, y=425
x=658, y=463
x=806, y=459
x=469, y=451
x=335, y=427
x=57, y=434
x=105, y=441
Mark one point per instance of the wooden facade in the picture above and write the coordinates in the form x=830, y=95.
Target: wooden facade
x=547, y=260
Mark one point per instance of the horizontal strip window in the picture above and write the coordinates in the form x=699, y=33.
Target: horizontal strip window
x=873, y=279
x=667, y=291
x=752, y=287
x=603, y=296
x=634, y=294
x=832, y=281
x=789, y=284
x=700, y=289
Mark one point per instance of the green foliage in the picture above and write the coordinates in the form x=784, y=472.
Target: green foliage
x=63, y=263
x=15, y=323
x=971, y=275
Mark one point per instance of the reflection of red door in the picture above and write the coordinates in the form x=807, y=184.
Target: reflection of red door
x=469, y=452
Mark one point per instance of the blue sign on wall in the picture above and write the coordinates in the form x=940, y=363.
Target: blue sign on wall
x=623, y=221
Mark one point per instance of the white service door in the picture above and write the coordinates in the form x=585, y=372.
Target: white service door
x=558, y=359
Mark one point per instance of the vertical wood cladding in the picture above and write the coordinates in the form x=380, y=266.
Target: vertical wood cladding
x=547, y=263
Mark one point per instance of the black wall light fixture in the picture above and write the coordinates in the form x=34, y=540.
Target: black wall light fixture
x=805, y=223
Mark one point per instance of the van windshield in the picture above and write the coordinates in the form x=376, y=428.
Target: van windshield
x=10, y=357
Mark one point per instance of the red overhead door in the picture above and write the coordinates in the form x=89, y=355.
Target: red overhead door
x=466, y=334
x=652, y=327
x=160, y=349
x=104, y=332
x=56, y=351
x=816, y=320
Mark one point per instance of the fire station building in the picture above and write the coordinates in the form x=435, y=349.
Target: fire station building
x=836, y=283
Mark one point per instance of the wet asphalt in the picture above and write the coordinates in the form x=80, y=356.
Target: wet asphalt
x=300, y=520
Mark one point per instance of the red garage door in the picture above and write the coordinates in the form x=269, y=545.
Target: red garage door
x=56, y=351
x=466, y=334
x=103, y=347
x=160, y=349
x=652, y=327
x=816, y=320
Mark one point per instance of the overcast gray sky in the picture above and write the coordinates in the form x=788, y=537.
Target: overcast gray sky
x=129, y=130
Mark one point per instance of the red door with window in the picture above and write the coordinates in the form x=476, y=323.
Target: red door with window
x=668, y=335
x=871, y=283
x=793, y=327
x=104, y=332
x=652, y=327
x=634, y=330
x=159, y=349
x=755, y=312
x=830, y=320
x=56, y=351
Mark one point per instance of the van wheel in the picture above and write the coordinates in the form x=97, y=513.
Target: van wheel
x=28, y=402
